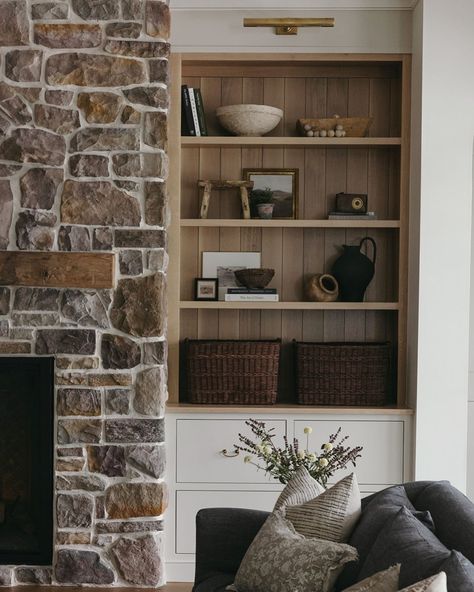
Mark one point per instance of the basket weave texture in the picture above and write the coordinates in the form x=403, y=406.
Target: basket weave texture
x=352, y=374
x=232, y=372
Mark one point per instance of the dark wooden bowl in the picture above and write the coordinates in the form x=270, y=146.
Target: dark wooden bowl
x=255, y=278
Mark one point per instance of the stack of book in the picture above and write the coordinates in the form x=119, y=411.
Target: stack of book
x=346, y=216
x=251, y=295
x=193, y=120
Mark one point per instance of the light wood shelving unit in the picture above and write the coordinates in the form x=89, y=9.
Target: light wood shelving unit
x=303, y=85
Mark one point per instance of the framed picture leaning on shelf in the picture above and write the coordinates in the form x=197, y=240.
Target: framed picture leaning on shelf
x=283, y=184
x=222, y=264
x=206, y=289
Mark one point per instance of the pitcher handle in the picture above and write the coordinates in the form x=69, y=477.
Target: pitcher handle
x=368, y=238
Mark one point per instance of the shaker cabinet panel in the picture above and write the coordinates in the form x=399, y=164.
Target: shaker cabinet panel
x=199, y=445
x=188, y=503
x=382, y=455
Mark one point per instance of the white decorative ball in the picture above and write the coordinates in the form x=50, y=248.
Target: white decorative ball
x=310, y=133
x=316, y=133
x=323, y=133
x=331, y=133
x=339, y=127
x=307, y=127
x=339, y=133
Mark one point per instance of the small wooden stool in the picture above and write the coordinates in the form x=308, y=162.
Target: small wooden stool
x=208, y=186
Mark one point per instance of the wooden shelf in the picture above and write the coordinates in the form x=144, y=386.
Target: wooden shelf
x=287, y=408
x=234, y=223
x=220, y=305
x=237, y=141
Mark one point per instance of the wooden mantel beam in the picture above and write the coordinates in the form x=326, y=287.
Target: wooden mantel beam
x=59, y=270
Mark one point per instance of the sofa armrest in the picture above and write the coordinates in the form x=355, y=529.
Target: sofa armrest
x=223, y=535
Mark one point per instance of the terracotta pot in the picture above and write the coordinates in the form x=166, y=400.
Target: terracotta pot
x=322, y=287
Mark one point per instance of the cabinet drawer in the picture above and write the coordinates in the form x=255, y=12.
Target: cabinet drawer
x=188, y=504
x=198, y=456
x=382, y=456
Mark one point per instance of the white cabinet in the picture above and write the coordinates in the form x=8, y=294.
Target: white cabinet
x=199, y=451
x=188, y=503
x=382, y=441
x=199, y=476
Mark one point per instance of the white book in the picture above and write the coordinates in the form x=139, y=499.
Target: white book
x=192, y=101
x=252, y=298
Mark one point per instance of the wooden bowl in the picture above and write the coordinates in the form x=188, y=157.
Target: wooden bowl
x=255, y=278
x=355, y=127
x=249, y=120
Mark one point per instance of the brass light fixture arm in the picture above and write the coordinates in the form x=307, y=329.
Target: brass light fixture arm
x=289, y=26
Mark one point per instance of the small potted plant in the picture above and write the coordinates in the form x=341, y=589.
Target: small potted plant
x=261, y=203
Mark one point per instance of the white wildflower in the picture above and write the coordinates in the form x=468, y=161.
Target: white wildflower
x=308, y=430
x=323, y=462
x=328, y=446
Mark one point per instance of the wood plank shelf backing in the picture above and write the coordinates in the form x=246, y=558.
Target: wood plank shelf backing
x=303, y=86
x=59, y=270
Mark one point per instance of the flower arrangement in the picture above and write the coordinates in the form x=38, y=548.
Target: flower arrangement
x=281, y=463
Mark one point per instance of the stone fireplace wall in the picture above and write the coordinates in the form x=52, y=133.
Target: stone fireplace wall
x=83, y=165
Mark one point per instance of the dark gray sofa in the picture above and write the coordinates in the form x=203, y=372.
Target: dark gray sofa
x=426, y=526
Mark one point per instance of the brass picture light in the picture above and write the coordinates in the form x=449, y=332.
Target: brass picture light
x=288, y=26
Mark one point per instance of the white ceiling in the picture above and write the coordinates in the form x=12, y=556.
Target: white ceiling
x=295, y=5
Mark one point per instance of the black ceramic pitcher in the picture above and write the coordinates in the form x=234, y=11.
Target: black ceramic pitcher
x=354, y=271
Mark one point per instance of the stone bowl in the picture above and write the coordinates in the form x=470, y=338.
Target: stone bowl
x=249, y=120
x=255, y=278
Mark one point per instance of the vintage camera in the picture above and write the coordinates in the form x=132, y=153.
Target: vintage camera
x=351, y=203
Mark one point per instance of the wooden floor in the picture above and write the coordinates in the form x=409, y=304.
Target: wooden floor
x=171, y=587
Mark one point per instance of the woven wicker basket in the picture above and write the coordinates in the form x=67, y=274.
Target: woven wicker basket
x=232, y=372
x=352, y=374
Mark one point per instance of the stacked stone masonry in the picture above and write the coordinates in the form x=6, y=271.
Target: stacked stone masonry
x=83, y=164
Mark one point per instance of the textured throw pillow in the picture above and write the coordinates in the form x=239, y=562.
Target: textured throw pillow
x=330, y=516
x=449, y=506
x=459, y=571
x=405, y=540
x=384, y=581
x=299, y=489
x=281, y=560
x=436, y=583
x=382, y=507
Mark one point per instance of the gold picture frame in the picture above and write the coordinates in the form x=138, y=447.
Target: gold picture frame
x=283, y=181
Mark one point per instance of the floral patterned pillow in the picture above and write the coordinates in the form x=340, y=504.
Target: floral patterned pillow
x=281, y=560
x=383, y=581
x=437, y=583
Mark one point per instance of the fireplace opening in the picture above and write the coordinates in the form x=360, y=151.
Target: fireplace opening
x=26, y=460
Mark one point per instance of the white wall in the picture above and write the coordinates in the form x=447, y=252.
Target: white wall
x=447, y=131
x=470, y=425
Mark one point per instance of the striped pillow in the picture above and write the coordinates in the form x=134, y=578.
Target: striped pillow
x=299, y=489
x=331, y=515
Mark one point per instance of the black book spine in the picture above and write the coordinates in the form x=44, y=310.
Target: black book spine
x=187, y=114
x=200, y=111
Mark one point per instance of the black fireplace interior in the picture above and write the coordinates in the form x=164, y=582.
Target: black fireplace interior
x=26, y=460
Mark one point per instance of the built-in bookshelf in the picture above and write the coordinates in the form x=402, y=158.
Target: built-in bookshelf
x=305, y=85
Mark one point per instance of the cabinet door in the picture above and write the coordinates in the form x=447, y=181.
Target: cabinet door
x=188, y=503
x=199, y=443
x=382, y=455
